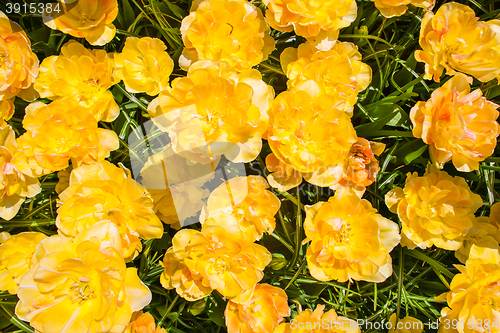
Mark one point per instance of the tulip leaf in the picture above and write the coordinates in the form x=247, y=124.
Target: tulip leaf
x=216, y=309
x=128, y=13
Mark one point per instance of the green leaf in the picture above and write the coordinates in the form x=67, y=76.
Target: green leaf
x=128, y=13
x=216, y=309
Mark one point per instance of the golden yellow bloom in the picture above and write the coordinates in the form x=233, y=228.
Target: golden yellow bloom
x=144, y=65
x=105, y=201
x=89, y=289
x=457, y=124
x=406, y=325
x=391, y=8
x=18, y=64
x=15, y=184
x=473, y=300
x=175, y=185
x=89, y=19
x=454, y=40
x=435, y=209
x=318, y=21
x=60, y=131
x=16, y=253
x=199, y=262
x=483, y=234
x=281, y=175
x=143, y=323
x=7, y=110
x=339, y=71
x=261, y=313
x=82, y=74
x=350, y=240
x=233, y=31
x=242, y=206
x=361, y=167
x=312, y=134
x=308, y=321
x=188, y=284
x=215, y=104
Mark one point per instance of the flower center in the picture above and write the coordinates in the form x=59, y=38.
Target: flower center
x=81, y=290
x=341, y=231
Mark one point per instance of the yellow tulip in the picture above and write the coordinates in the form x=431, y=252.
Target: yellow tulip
x=86, y=289
x=317, y=321
x=18, y=64
x=16, y=252
x=16, y=182
x=435, y=209
x=104, y=201
x=82, y=74
x=483, y=234
x=89, y=19
x=215, y=104
x=318, y=21
x=233, y=31
x=457, y=124
x=7, y=110
x=391, y=8
x=473, y=298
x=361, y=167
x=262, y=312
x=199, y=262
x=349, y=240
x=312, y=134
x=242, y=206
x=455, y=40
x=59, y=132
x=143, y=323
x=144, y=65
x=338, y=71
x=175, y=185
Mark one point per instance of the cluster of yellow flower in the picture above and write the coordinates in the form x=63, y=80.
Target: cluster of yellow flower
x=78, y=280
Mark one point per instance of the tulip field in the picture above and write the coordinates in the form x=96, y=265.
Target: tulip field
x=249, y=166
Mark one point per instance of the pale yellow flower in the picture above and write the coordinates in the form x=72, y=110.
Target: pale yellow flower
x=215, y=110
x=281, y=175
x=143, y=323
x=435, y=209
x=175, y=185
x=483, y=234
x=455, y=40
x=144, y=65
x=338, y=71
x=262, y=312
x=318, y=21
x=473, y=300
x=316, y=321
x=457, y=124
x=200, y=262
x=312, y=134
x=16, y=252
x=87, y=289
x=16, y=183
x=18, y=64
x=244, y=207
x=86, y=75
x=233, y=31
x=104, y=201
x=89, y=19
x=349, y=240
x=59, y=132
x=7, y=110
x=391, y=8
